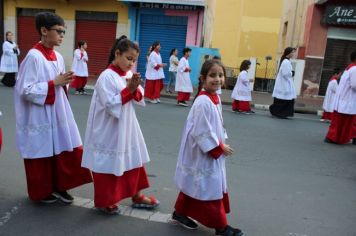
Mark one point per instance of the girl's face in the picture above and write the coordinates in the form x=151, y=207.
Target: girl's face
x=175, y=53
x=125, y=60
x=85, y=46
x=291, y=55
x=53, y=36
x=9, y=36
x=214, y=79
x=158, y=48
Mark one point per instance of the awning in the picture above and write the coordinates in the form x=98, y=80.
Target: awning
x=180, y=2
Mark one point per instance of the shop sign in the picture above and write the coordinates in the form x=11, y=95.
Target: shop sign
x=340, y=15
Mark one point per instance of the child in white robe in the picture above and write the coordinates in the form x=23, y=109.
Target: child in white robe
x=329, y=100
x=183, y=83
x=201, y=159
x=80, y=68
x=114, y=147
x=47, y=135
x=242, y=92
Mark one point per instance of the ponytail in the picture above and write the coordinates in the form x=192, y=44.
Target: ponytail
x=122, y=44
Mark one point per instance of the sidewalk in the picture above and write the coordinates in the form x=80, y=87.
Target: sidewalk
x=262, y=100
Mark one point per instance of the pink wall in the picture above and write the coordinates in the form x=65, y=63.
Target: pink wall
x=315, y=34
x=195, y=25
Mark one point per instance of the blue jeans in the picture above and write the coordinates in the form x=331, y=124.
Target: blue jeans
x=172, y=80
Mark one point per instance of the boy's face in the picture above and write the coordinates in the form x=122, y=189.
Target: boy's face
x=53, y=36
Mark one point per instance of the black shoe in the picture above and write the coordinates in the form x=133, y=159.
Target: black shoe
x=327, y=140
x=354, y=141
x=184, y=221
x=64, y=197
x=229, y=231
x=51, y=199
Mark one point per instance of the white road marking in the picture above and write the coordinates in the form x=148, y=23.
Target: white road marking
x=9, y=214
x=154, y=216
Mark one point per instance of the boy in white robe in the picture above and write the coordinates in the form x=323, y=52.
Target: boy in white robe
x=47, y=135
x=8, y=63
x=329, y=99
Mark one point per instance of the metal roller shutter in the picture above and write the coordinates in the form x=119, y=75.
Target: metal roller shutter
x=337, y=55
x=100, y=36
x=170, y=31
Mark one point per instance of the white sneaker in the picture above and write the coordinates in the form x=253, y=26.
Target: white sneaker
x=159, y=101
x=154, y=101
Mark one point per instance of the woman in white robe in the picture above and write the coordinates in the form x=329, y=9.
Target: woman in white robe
x=284, y=92
x=9, y=63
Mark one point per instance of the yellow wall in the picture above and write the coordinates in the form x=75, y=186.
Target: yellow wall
x=246, y=28
x=66, y=8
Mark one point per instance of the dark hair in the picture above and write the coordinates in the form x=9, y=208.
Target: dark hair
x=336, y=71
x=244, y=65
x=154, y=45
x=286, y=52
x=205, y=68
x=123, y=45
x=216, y=57
x=172, y=51
x=7, y=33
x=353, y=56
x=47, y=20
x=185, y=50
x=81, y=43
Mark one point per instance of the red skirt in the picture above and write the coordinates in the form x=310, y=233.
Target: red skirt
x=59, y=173
x=243, y=106
x=183, y=96
x=212, y=214
x=0, y=139
x=78, y=82
x=342, y=128
x=327, y=115
x=153, y=88
x=110, y=189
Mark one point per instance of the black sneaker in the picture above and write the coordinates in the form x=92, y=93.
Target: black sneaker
x=51, y=199
x=184, y=221
x=229, y=231
x=354, y=141
x=64, y=197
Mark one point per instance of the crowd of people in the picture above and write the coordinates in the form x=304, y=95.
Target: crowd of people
x=114, y=152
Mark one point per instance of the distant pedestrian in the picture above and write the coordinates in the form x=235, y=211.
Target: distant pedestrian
x=284, y=92
x=80, y=68
x=200, y=172
x=114, y=147
x=47, y=135
x=9, y=63
x=343, y=124
x=329, y=99
x=154, y=74
x=216, y=57
x=242, y=91
x=184, y=84
x=173, y=64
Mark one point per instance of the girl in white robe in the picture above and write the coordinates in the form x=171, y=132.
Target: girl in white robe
x=80, y=68
x=9, y=64
x=329, y=99
x=114, y=147
x=47, y=134
x=200, y=172
x=154, y=74
x=183, y=83
x=242, y=92
x=284, y=92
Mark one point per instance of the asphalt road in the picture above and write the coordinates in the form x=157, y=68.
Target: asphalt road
x=283, y=179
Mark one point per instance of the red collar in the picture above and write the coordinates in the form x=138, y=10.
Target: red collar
x=117, y=70
x=333, y=78
x=213, y=97
x=48, y=53
x=351, y=65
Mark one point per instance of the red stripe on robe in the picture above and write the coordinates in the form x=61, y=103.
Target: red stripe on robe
x=59, y=173
x=110, y=189
x=212, y=214
x=243, y=106
x=341, y=129
x=183, y=96
x=153, y=88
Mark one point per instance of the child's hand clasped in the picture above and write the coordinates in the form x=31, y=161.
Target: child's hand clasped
x=228, y=151
x=134, y=82
x=63, y=79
